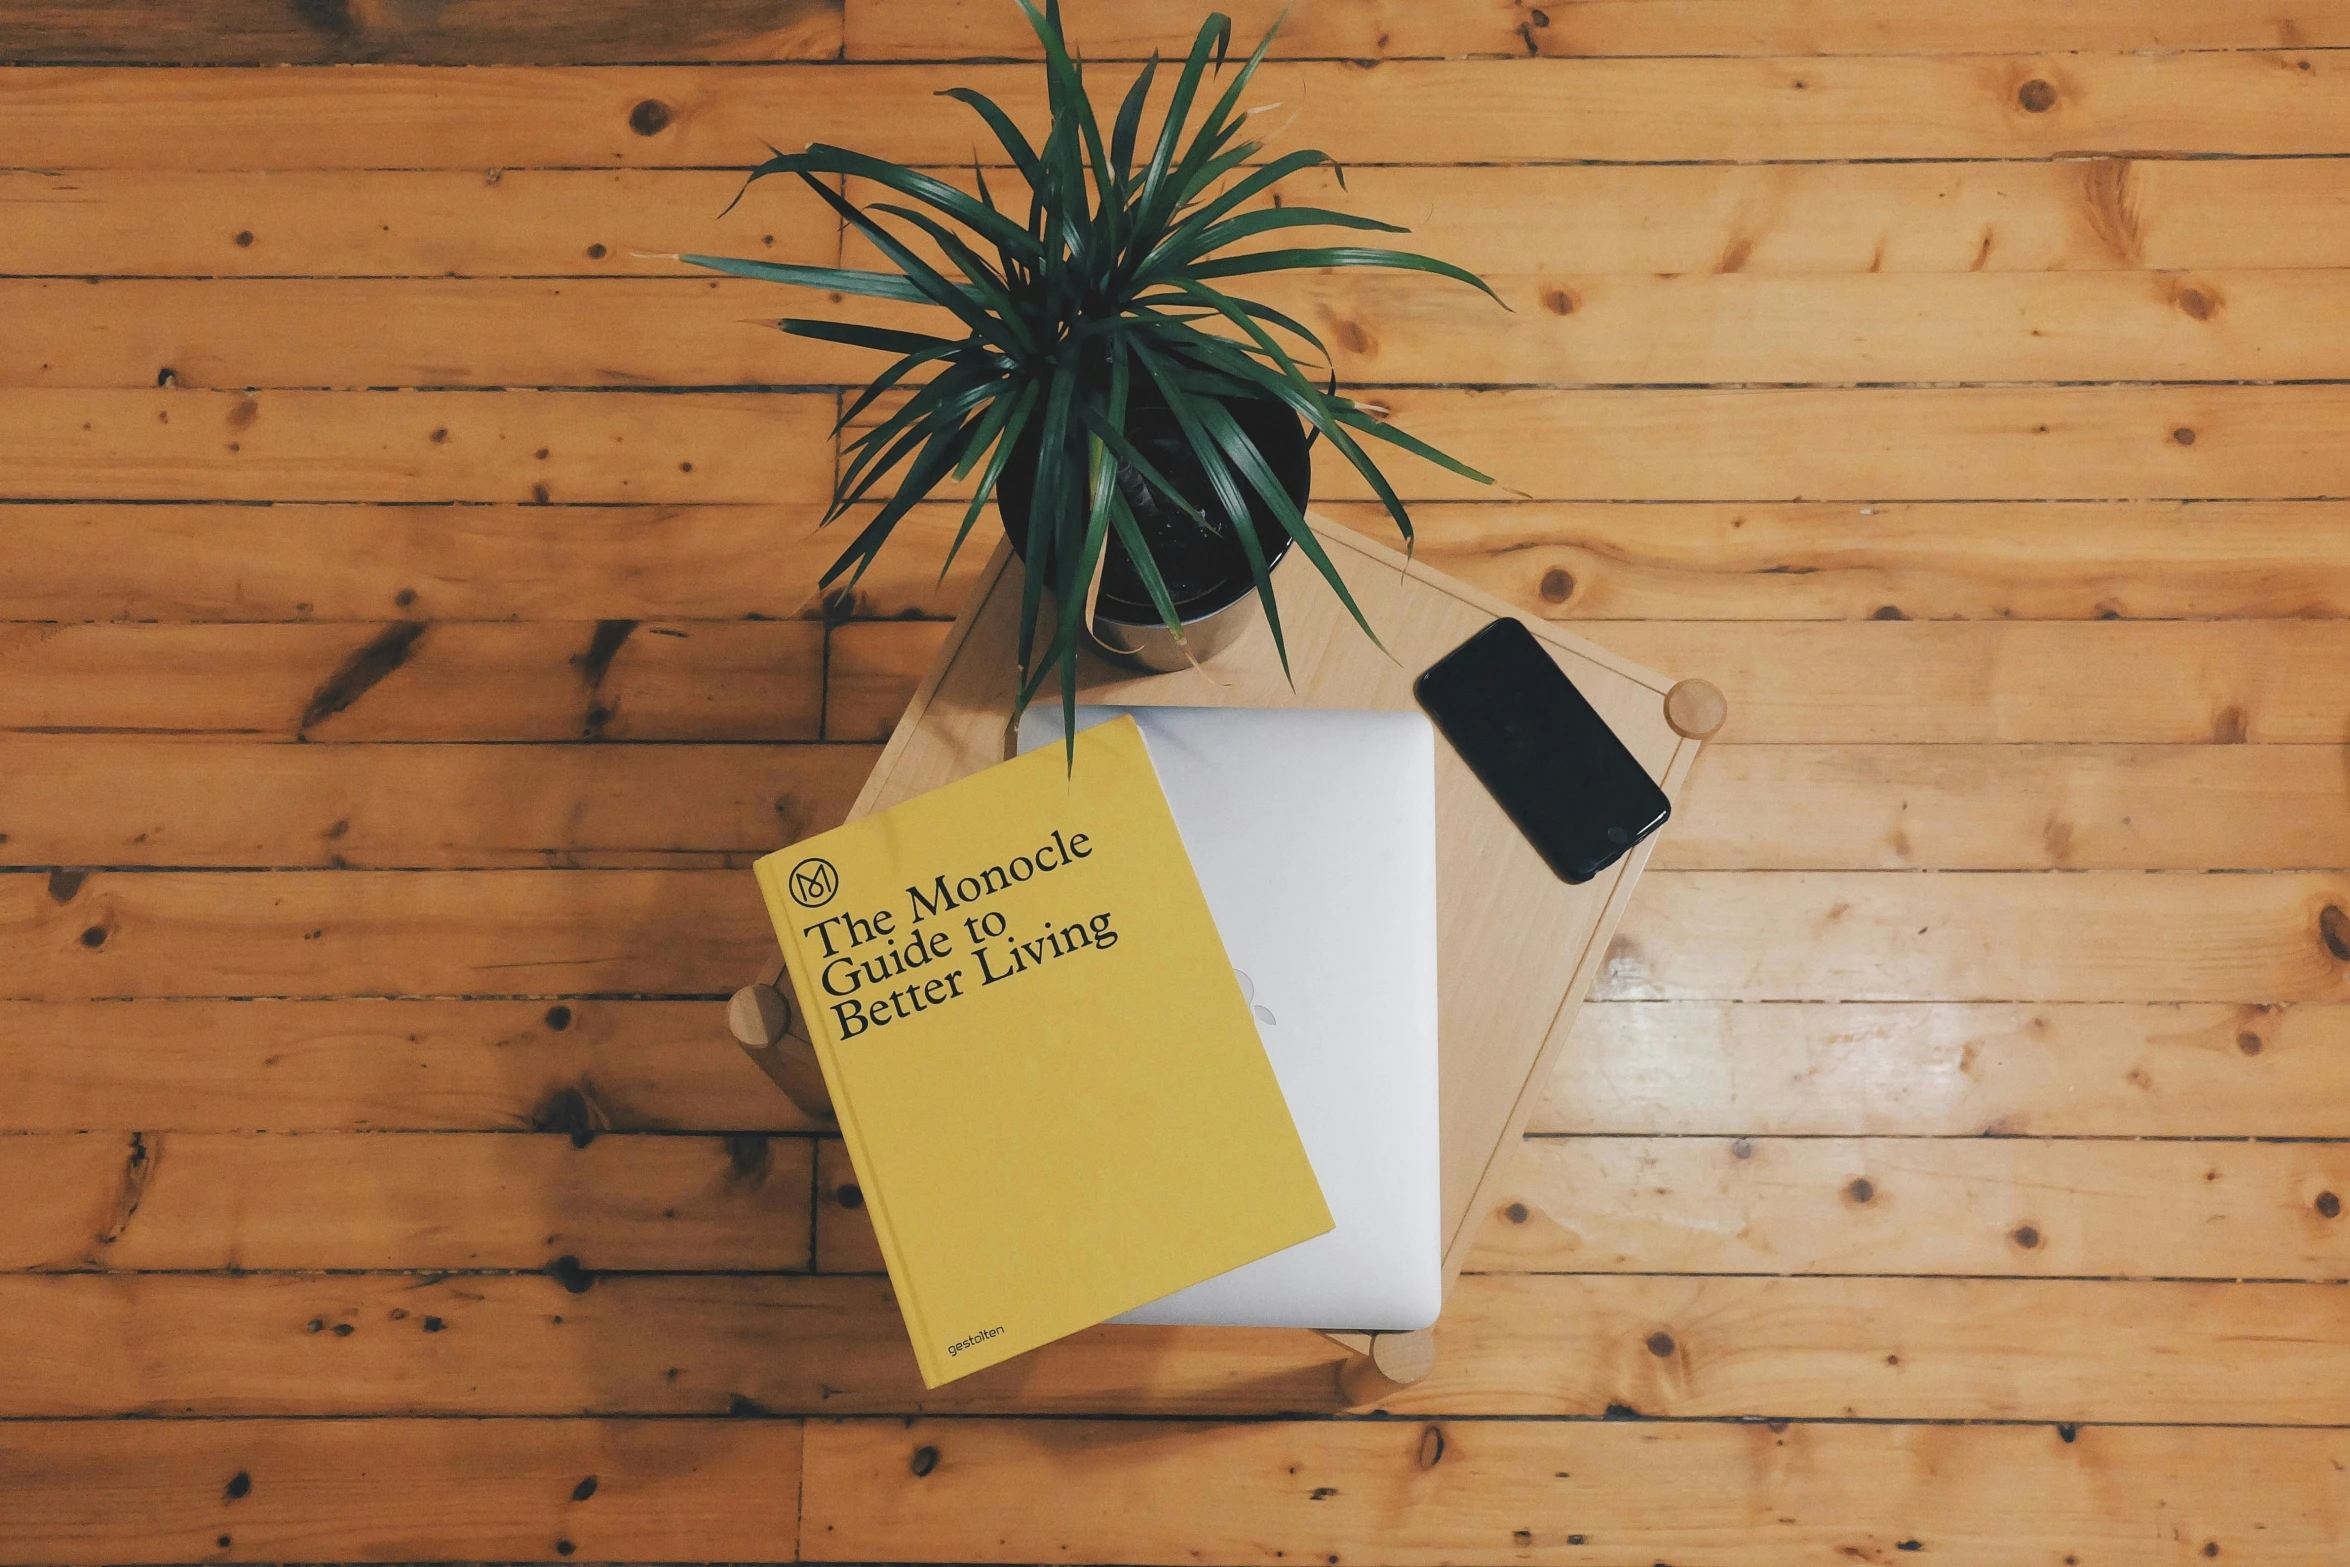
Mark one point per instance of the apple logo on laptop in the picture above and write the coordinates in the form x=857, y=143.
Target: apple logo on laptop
x=1248, y=993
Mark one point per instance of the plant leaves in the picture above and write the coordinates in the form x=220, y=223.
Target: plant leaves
x=1220, y=479
x=823, y=158
x=1339, y=256
x=837, y=280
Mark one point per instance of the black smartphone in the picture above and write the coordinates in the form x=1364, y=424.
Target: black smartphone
x=1577, y=794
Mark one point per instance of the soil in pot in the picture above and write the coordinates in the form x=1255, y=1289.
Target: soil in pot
x=1205, y=567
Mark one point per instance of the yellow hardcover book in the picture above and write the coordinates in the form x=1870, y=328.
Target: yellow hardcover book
x=1047, y=1077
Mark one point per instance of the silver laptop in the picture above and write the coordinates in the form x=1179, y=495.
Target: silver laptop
x=1314, y=837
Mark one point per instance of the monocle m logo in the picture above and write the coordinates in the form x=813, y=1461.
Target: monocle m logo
x=813, y=883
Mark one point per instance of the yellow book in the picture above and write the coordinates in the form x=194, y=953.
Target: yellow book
x=1048, y=1079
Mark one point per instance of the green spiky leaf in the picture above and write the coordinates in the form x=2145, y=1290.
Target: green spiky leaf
x=1051, y=323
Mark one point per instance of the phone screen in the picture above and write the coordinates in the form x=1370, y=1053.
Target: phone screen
x=1577, y=794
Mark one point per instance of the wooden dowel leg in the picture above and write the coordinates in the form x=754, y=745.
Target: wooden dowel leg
x=769, y=1028
x=1695, y=709
x=1390, y=1363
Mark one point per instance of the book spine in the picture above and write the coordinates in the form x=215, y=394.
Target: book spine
x=844, y=1111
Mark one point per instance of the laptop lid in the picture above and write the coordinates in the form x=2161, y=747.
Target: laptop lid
x=1313, y=834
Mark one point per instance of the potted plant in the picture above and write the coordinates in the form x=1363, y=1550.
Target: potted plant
x=1143, y=433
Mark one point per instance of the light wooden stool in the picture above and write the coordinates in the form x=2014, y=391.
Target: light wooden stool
x=1517, y=947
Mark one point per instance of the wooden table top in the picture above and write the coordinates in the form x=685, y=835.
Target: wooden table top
x=1518, y=947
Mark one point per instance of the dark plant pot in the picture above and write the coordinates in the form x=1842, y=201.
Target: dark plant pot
x=1205, y=567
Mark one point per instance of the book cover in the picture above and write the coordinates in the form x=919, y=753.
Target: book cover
x=1050, y=1085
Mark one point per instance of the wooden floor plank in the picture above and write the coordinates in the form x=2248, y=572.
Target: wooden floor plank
x=193, y=1201
x=1921, y=443
x=2009, y=807
x=1885, y=682
x=1429, y=112
x=291, y=561
x=1708, y=1496
x=1592, y=561
x=1837, y=1207
x=493, y=222
x=1961, y=1349
x=1794, y=219
x=1986, y=560
x=172, y=444
x=399, y=1490
x=871, y=669
x=1121, y=29
x=1998, y=1206
x=1963, y=1206
x=197, y=934
x=2078, y=682
x=1565, y=329
x=1560, y=329
x=1982, y=936
x=844, y=1240
x=1858, y=1069
x=89, y=801
x=299, y=1066
x=1927, y=443
x=1630, y=1068
x=1757, y=220
x=1744, y=443
x=678, y=330
x=408, y=680
x=471, y=32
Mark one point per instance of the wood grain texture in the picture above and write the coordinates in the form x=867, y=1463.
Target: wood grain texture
x=2011, y=807
x=576, y=1066
x=493, y=222
x=150, y=1201
x=1982, y=936
x=2019, y=560
x=1851, y=1069
x=171, y=802
x=441, y=332
x=291, y=561
x=1560, y=329
x=86, y=801
x=1894, y=682
x=1999, y=1206
x=1993, y=560
x=844, y=1240
x=1391, y=29
x=1710, y=1496
x=1755, y=220
x=1424, y=112
x=1966, y=1206
x=1921, y=443
x=1959, y=443
x=1811, y=219
x=434, y=32
x=1529, y=1345
x=870, y=674
x=410, y=680
x=1585, y=329
x=352, y=1490
x=195, y=934
x=166, y=444
x=1889, y=681
x=1629, y=1068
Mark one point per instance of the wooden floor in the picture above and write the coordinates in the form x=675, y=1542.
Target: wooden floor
x=410, y=635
